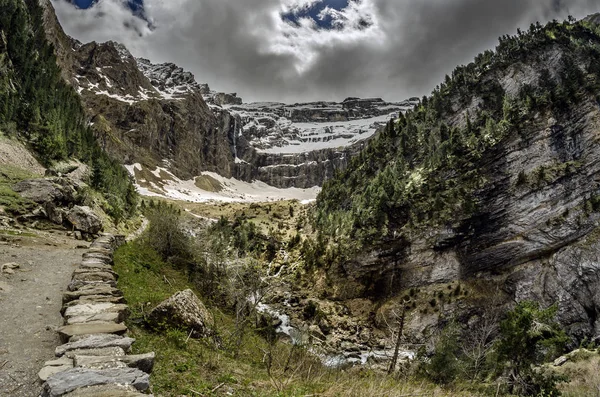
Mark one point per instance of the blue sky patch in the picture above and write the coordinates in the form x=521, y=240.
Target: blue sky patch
x=136, y=6
x=314, y=11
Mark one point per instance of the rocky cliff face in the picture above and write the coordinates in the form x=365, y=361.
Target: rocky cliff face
x=157, y=114
x=534, y=232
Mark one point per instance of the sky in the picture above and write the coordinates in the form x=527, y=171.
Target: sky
x=308, y=50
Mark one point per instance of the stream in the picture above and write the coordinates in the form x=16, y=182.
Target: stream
x=359, y=355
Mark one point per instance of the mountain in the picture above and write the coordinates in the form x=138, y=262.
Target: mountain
x=41, y=111
x=158, y=116
x=493, y=181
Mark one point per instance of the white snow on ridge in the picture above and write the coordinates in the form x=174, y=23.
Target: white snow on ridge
x=332, y=135
x=233, y=189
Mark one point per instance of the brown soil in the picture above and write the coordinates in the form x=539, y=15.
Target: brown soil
x=30, y=302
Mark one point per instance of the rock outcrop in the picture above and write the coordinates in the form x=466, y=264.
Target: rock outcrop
x=533, y=229
x=93, y=360
x=58, y=199
x=184, y=311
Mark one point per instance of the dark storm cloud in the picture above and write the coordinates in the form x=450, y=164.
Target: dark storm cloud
x=246, y=47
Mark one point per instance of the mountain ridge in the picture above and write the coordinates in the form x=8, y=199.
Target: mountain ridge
x=151, y=113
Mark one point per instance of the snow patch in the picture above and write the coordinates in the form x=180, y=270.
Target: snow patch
x=233, y=190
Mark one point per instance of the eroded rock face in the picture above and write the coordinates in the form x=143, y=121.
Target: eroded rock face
x=185, y=311
x=84, y=220
x=536, y=209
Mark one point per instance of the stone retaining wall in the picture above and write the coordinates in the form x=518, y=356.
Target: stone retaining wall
x=94, y=359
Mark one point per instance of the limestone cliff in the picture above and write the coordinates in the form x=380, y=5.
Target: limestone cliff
x=500, y=189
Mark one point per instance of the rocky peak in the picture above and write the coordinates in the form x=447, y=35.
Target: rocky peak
x=108, y=69
x=170, y=80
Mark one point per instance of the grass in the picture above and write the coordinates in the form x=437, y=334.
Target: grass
x=211, y=367
x=582, y=372
x=11, y=201
x=284, y=217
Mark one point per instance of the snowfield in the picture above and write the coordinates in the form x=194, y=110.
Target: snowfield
x=167, y=185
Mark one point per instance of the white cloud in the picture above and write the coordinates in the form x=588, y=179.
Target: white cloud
x=246, y=47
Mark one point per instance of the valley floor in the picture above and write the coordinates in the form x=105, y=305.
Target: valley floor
x=30, y=302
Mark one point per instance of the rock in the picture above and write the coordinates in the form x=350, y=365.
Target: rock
x=226, y=99
x=9, y=268
x=182, y=310
x=81, y=279
x=53, y=367
x=95, y=264
x=73, y=379
x=84, y=220
x=47, y=190
x=560, y=361
x=91, y=290
x=98, y=341
x=105, y=258
x=54, y=213
x=77, y=234
x=103, y=351
x=79, y=283
x=69, y=331
x=87, y=299
x=143, y=362
x=95, y=318
x=107, y=391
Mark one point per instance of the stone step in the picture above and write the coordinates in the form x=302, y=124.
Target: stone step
x=68, y=331
x=78, y=284
x=96, y=318
x=55, y=366
x=87, y=299
x=103, y=351
x=92, y=308
x=97, y=255
x=89, y=290
x=107, y=391
x=97, y=261
x=100, y=250
x=104, y=269
x=67, y=381
x=98, y=341
x=144, y=362
x=94, y=275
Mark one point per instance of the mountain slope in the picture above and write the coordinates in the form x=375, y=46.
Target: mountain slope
x=495, y=177
x=157, y=115
x=38, y=108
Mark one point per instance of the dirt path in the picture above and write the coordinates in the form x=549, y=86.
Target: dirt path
x=30, y=303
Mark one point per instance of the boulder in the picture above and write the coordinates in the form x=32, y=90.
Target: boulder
x=182, y=310
x=54, y=213
x=67, y=381
x=47, y=190
x=84, y=220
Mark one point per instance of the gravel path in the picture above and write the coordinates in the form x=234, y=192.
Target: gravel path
x=30, y=303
